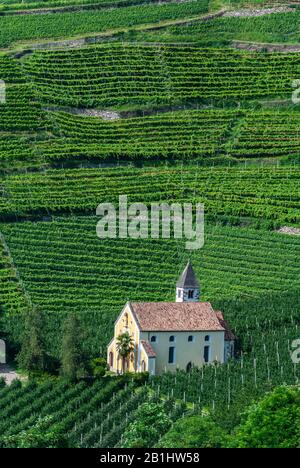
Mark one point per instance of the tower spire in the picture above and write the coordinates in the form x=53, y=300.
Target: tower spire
x=187, y=286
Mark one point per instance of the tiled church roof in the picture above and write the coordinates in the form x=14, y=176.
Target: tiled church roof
x=176, y=316
x=229, y=336
x=148, y=348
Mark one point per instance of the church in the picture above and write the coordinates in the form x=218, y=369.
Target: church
x=165, y=336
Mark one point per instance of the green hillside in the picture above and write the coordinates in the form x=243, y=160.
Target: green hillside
x=146, y=75
x=156, y=101
x=64, y=267
x=273, y=28
x=270, y=193
x=165, y=108
x=19, y=28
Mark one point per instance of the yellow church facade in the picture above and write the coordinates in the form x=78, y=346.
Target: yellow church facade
x=166, y=336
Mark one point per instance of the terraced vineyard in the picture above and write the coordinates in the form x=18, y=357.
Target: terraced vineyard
x=269, y=192
x=180, y=135
x=267, y=133
x=271, y=28
x=10, y=70
x=13, y=5
x=94, y=415
x=74, y=78
x=123, y=74
x=266, y=335
x=12, y=293
x=37, y=27
x=226, y=389
x=65, y=268
x=21, y=120
x=16, y=152
x=20, y=113
x=165, y=109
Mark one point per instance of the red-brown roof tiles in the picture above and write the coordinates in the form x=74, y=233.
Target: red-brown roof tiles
x=148, y=348
x=176, y=316
x=229, y=336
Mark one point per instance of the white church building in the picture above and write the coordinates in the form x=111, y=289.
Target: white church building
x=167, y=336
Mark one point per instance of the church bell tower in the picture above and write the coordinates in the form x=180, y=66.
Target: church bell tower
x=187, y=287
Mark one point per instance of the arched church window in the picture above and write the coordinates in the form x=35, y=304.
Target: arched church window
x=126, y=320
x=171, y=355
x=111, y=359
x=206, y=353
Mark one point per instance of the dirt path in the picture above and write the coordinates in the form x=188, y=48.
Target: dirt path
x=8, y=374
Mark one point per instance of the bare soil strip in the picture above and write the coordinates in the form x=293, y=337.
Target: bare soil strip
x=98, y=113
x=266, y=47
x=247, y=13
x=289, y=230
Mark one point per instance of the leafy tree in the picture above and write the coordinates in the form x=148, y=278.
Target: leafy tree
x=274, y=422
x=99, y=367
x=195, y=432
x=73, y=358
x=41, y=435
x=32, y=357
x=150, y=423
x=125, y=348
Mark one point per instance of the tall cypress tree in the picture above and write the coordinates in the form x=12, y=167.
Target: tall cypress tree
x=32, y=357
x=73, y=358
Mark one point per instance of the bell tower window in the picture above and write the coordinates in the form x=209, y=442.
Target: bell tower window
x=187, y=286
x=191, y=294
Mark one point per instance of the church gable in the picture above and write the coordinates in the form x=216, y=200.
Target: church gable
x=126, y=321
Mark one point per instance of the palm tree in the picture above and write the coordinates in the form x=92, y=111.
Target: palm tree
x=125, y=346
